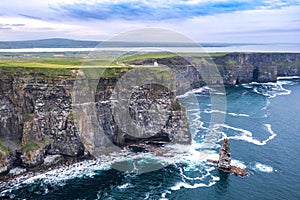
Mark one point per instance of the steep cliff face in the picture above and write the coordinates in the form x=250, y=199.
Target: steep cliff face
x=234, y=68
x=145, y=104
x=37, y=117
x=239, y=68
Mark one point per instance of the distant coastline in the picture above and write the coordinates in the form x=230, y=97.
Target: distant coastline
x=67, y=45
x=280, y=48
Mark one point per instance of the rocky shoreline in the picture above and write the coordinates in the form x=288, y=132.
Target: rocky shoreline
x=37, y=119
x=59, y=163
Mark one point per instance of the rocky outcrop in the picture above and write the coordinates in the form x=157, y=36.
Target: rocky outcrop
x=224, y=163
x=224, y=155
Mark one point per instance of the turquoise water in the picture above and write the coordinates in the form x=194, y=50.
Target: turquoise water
x=263, y=123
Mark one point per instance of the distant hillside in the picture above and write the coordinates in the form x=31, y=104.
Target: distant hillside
x=68, y=43
x=48, y=43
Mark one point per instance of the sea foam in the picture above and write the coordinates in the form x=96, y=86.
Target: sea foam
x=238, y=114
x=262, y=167
x=270, y=90
x=247, y=135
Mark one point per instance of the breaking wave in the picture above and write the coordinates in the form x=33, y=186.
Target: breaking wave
x=271, y=90
x=262, y=167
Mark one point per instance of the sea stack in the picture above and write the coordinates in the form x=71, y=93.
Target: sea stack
x=224, y=163
x=224, y=153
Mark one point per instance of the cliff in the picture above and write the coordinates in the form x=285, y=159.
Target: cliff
x=234, y=68
x=37, y=118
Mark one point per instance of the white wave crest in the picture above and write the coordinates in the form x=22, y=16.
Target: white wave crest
x=238, y=115
x=262, y=167
x=287, y=77
x=124, y=186
x=270, y=90
x=190, y=186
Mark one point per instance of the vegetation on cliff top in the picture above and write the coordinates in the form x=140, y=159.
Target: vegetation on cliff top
x=51, y=66
x=46, y=60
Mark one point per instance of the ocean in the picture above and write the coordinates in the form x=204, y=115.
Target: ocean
x=263, y=125
x=208, y=48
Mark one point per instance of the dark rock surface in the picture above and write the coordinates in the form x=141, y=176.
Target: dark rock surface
x=224, y=155
x=224, y=163
x=235, y=170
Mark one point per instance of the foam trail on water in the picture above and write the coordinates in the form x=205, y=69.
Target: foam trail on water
x=213, y=111
x=245, y=132
x=267, y=105
x=238, y=115
x=190, y=186
x=273, y=135
x=247, y=135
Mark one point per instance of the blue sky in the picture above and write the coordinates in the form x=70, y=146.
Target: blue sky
x=202, y=20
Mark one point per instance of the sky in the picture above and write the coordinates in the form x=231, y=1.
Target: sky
x=211, y=21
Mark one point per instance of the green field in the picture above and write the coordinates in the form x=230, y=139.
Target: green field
x=48, y=64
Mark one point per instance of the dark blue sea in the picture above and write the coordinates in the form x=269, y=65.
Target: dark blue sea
x=262, y=122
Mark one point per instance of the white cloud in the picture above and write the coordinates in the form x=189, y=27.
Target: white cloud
x=281, y=25
x=258, y=25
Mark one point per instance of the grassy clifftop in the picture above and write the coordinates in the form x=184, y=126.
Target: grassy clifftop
x=56, y=64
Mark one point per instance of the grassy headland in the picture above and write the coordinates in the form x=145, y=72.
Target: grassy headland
x=54, y=64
